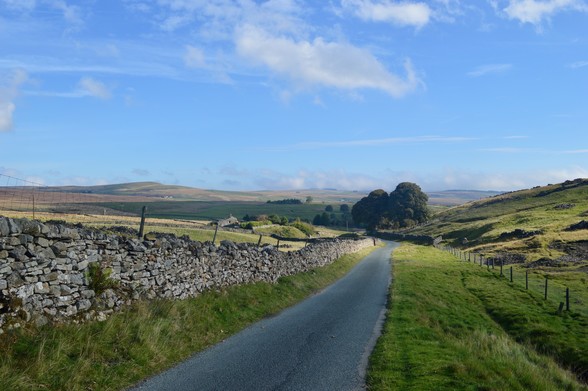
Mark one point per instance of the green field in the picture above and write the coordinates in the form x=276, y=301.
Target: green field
x=455, y=326
x=211, y=210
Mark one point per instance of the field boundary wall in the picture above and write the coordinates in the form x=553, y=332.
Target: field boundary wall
x=51, y=273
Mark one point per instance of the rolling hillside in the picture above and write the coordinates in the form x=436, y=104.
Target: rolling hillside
x=159, y=191
x=539, y=222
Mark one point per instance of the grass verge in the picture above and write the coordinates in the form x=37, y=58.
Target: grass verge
x=149, y=337
x=439, y=334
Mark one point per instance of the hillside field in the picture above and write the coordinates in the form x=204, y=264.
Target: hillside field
x=535, y=223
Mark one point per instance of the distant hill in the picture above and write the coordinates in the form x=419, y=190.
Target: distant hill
x=183, y=193
x=547, y=221
x=458, y=197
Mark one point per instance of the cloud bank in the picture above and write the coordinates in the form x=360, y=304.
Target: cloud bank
x=8, y=92
x=536, y=12
x=322, y=63
x=398, y=13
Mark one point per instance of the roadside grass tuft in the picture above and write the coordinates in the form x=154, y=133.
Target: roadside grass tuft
x=441, y=333
x=150, y=336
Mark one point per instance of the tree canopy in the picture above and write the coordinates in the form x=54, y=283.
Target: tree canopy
x=406, y=206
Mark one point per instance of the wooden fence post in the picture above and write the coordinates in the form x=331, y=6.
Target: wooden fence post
x=546, y=287
x=567, y=299
x=142, y=226
x=259, y=241
x=511, y=274
x=501, y=263
x=526, y=279
x=215, y=231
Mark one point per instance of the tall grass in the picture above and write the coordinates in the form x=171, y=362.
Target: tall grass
x=148, y=337
x=442, y=335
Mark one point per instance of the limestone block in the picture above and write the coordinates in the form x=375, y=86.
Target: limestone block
x=88, y=294
x=82, y=265
x=84, y=305
x=42, y=288
x=76, y=279
x=25, y=291
x=40, y=241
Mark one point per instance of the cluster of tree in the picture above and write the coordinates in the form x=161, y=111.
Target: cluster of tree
x=288, y=201
x=271, y=219
x=330, y=218
x=406, y=206
x=250, y=222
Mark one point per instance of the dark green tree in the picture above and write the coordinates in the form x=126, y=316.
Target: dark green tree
x=344, y=208
x=404, y=207
x=329, y=208
x=325, y=219
x=371, y=209
x=407, y=205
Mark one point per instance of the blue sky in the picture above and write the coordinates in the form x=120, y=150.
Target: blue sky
x=293, y=94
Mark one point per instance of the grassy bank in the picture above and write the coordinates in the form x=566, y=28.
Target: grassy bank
x=448, y=329
x=490, y=225
x=148, y=337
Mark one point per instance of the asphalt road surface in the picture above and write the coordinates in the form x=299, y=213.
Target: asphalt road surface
x=322, y=344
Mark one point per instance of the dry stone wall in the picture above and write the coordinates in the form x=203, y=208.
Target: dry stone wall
x=50, y=272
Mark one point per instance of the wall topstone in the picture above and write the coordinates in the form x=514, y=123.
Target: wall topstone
x=45, y=269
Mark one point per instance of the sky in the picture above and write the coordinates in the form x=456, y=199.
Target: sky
x=295, y=94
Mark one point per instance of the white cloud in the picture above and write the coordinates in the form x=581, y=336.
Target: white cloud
x=20, y=5
x=378, y=142
x=6, y=113
x=306, y=179
x=194, y=57
x=8, y=93
x=507, y=150
x=577, y=151
x=71, y=13
x=578, y=64
x=328, y=64
x=137, y=6
x=94, y=88
x=490, y=69
x=535, y=11
x=500, y=181
x=442, y=179
x=399, y=13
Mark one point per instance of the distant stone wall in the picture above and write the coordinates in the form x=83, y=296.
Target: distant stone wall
x=420, y=239
x=45, y=269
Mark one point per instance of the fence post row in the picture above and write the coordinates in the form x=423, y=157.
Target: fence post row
x=467, y=256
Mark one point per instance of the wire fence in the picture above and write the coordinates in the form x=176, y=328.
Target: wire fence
x=552, y=287
x=21, y=195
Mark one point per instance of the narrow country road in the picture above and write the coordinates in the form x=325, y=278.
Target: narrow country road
x=322, y=343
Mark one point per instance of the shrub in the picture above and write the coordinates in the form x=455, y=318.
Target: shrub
x=99, y=278
x=307, y=229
